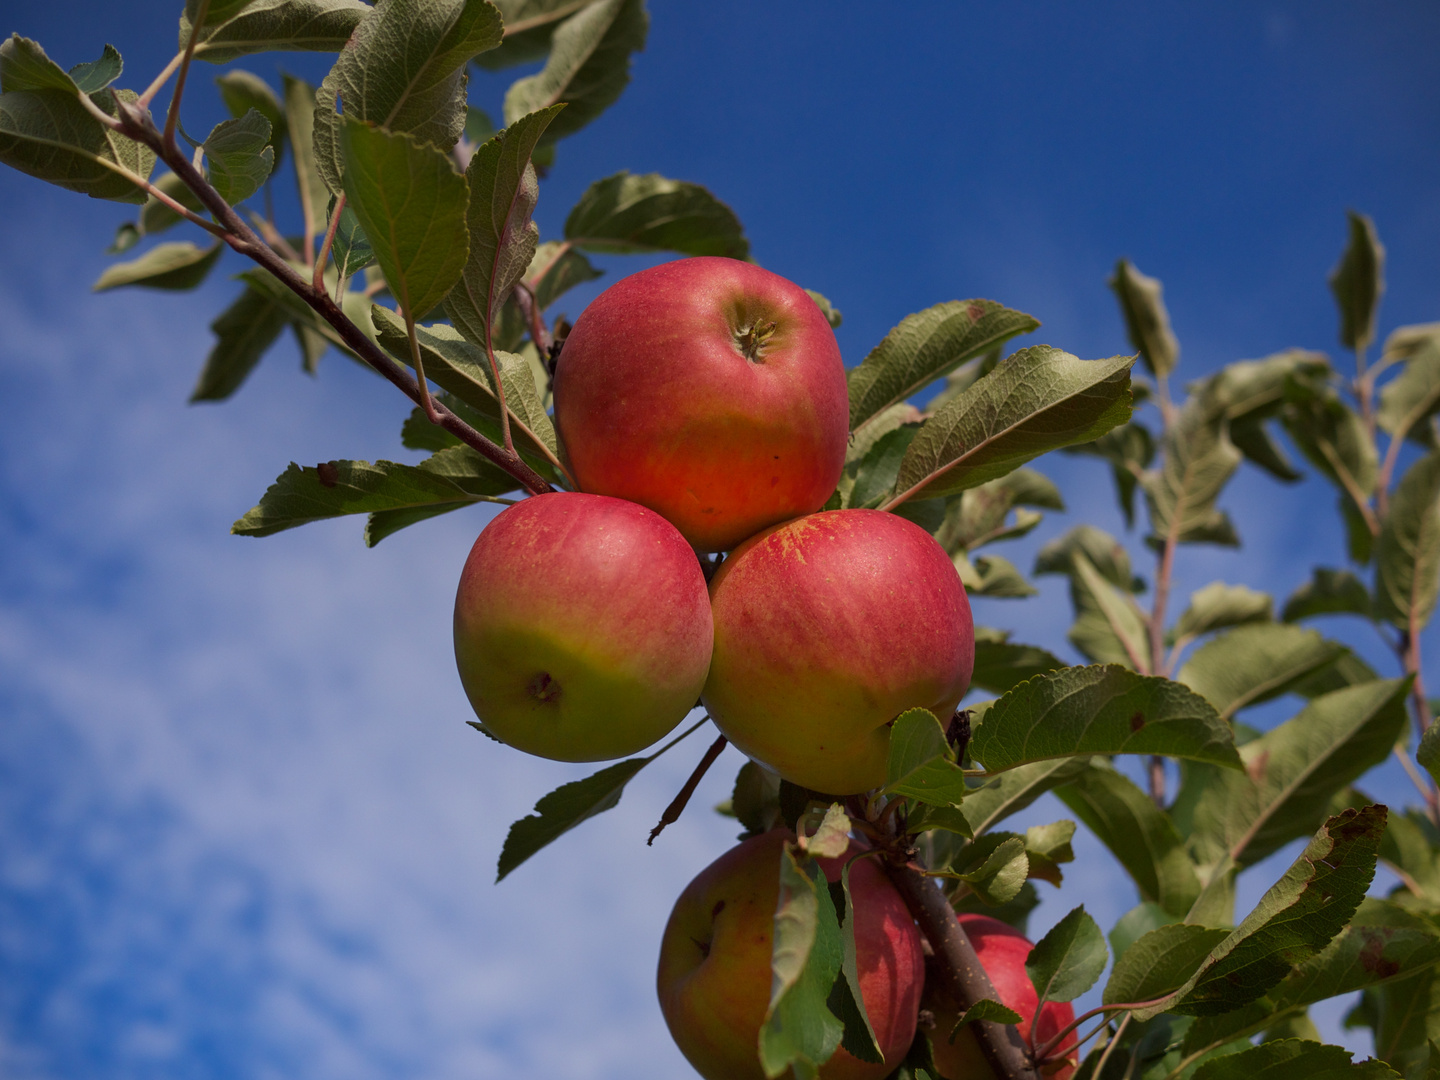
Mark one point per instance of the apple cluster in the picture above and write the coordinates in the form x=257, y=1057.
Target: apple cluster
x=702, y=408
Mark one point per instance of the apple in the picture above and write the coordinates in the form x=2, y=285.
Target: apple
x=709, y=390
x=714, y=974
x=826, y=629
x=582, y=627
x=1003, y=951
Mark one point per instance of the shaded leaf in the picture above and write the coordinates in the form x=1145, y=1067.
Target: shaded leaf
x=985, y=1009
x=1294, y=920
x=239, y=157
x=1199, y=460
x=503, y=192
x=1414, y=394
x=626, y=214
x=993, y=576
x=1014, y=790
x=555, y=270
x=1036, y=400
x=570, y=805
x=242, y=91
x=1068, y=959
x=96, y=75
x=1109, y=626
x=243, y=332
x=1160, y=962
x=411, y=203
x=1129, y=449
x=926, y=346
x=165, y=266
x=529, y=26
x=1328, y=592
x=351, y=248
x=1146, y=320
x=978, y=516
x=1103, y=551
x=921, y=765
x=300, y=123
x=239, y=27
x=1000, y=663
x=1100, y=710
x=1251, y=664
x=403, y=70
x=1382, y=942
x=1218, y=606
x=830, y=311
x=755, y=800
x=1292, y=1059
x=588, y=66
x=464, y=468
x=1140, y=836
x=994, y=867
x=1357, y=282
x=1332, y=436
x=1407, y=555
x=859, y=1038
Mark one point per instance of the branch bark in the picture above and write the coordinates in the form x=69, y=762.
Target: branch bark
x=962, y=977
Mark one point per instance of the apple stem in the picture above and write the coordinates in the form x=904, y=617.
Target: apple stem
x=682, y=798
x=959, y=968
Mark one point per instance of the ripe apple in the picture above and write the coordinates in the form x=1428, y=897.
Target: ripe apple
x=714, y=976
x=1002, y=951
x=826, y=629
x=582, y=627
x=709, y=390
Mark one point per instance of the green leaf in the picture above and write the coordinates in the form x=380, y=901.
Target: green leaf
x=1405, y=1015
x=49, y=135
x=986, y=1009
x=993, y=576
x=588, y=66
x=404, y=70
x=237, y=28
x=1146, y=320
x=1294, y=920
x=1414, y=394
x=95, y=76
x=1129, y=449
x=979, y=515
x=1428, y=752
x=411, y=204
x=1160, y=962
x=529, y=27
x=570, y=805
x=462, y=369
x=625, y=215
x=1382, y=942
x=555, y=270
x=1357, y=282
x=1067, y=960
x=25, y=67
x=1013, y=791
x=239, y=157
x=799, y=1031
x=1332, y=436
x=994, y=866
x=1102, y=550
x=1000, y=663
x=1140, y=836
x=1328, y=592
x=1135, y=924
x=1036, y=400
x=1100, y=710
x=1218, y=606
x=503, y=238
x=355, y=304
x=926, y=346
x=1291, y=773
x=157, y=216
x=921, y=766
x=351, y=248
x=859, y=1038
x=243, y=332
x=300, y=496
x=242, y=91
x=830, y=311
x=1199, y=459
x=1255, y=663
x=1047, y=847
x=1407, y=555
x=300, y=123
x=755, y=800
x=464, y=468
x=1109, y=626
x=165, y=266
x=1292, y=1059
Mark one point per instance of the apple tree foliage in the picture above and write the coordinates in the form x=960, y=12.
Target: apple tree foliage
x=414, y=250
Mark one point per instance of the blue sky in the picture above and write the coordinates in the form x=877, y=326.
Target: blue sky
x=244, y=831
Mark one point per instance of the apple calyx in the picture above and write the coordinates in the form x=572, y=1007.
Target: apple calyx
x=751, y=339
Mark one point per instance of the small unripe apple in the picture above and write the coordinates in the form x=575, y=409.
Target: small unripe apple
x=1003, y=951
x=582, y=627
x=826, y=629
x=709, y=390
x=714, y=975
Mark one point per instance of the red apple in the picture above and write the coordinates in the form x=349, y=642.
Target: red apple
x=709, y=390
x=582, y=627
x=826, y=629
x=714, y=976
x=1003, y=951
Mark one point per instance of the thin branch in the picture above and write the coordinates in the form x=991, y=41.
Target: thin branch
x=138, y=126
x=1352, y=488
x=172, y=117
x=961, y=976
x=499, y=392
x=273, y=238
x=682, y=798
x=560, y=253
x=530, y=308
x=1124, y=1006
x=160, y=80
x=317, y=280
x=1425, y=787
x=1099, y=1072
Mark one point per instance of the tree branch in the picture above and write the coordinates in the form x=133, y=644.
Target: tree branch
x=682, y=798
x=138, y=126
x=172, y=116
x=962, y=977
